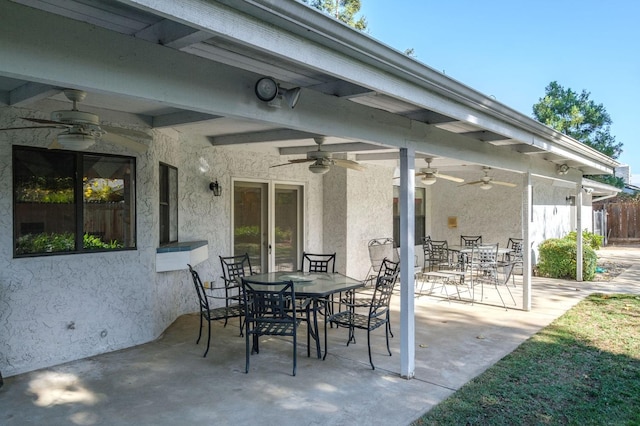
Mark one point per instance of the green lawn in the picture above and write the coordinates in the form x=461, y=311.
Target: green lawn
x=583, y=369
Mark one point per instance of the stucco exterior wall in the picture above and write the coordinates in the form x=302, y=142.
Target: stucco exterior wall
x=370, y=204
x=358, y=207
x=496, y=214
x=59, y=308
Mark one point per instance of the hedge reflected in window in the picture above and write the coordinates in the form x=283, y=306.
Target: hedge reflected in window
x=47, y=215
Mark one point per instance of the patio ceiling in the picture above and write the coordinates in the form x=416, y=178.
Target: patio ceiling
x=215, y=35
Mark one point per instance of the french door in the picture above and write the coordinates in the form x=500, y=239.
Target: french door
x=268, y=224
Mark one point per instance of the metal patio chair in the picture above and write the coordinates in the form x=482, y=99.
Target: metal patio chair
x=367, y=316
x=485, y=267
x=269, y=312
x=232, y=308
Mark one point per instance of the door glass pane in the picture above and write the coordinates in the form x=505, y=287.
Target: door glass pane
x=287, y=223
x=250, y=224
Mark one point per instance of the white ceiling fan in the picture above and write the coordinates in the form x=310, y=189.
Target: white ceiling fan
x=323, y=160
x=487, y=182
x=430, y=175
x=83, y=129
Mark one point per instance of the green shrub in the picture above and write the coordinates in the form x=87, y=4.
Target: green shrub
x=283, y=235
x=45, y=243
x=558, y=259
x=247, y=234
x=52, y=243
x=588, y=238
x=93, y=242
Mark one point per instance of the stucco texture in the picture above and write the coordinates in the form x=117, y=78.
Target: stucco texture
x=59, y=308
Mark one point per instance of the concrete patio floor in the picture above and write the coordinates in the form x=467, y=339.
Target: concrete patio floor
x=168, y=382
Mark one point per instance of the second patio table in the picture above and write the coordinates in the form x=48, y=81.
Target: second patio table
x=317, y=286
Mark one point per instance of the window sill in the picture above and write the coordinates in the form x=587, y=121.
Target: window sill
x=176, y=256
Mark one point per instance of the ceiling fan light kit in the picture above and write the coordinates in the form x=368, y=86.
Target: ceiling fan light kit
x=76, y=141
x=429, y=179
x=486, y=186
x=319, y=168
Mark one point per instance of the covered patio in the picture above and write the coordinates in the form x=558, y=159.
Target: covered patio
x=182, y=78
x=168, y=382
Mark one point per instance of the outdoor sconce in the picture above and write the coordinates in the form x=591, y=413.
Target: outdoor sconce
x=571, y=200
x=216, y=188
x=267, y=90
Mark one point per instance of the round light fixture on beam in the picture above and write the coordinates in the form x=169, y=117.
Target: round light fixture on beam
x=266, y=89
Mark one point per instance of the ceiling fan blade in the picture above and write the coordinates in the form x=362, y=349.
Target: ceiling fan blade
x=451, y=178
x=349, y=164
x=298, y=161
x=472, y=183
x=45, y=121
x=418, y=175
x=36, y=127
x=302, y=160
x=126, y=132
x=125, y=142
x=509, y=184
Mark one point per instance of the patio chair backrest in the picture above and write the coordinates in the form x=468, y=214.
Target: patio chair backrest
x=439, y=251
x=312, y=262
x=484, y=256
x=203, y=302
x=515, y=244
x=469, y=240
x=388, y=268
x=233, y=269
x=382, y=295
x=379, y=249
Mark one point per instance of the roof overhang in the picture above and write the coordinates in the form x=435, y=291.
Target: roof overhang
x=191, y=65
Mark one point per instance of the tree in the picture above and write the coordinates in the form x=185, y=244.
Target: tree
x=342, y=10
x=575, y=115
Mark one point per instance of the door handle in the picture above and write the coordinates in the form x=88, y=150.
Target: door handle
x=269, y=248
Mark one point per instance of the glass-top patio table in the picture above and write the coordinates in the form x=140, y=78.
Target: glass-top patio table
x=317, y=286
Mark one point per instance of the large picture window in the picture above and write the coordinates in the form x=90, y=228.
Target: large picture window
x=72, y=202
x=420, y=218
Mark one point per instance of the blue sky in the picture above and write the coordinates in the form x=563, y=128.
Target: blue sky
x=512, y=50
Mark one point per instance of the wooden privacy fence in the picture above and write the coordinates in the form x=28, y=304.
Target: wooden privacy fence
x=623, y=223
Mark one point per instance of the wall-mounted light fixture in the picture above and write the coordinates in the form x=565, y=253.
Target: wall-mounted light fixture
x=571, y=200
x=562, y=169
x=267, y=90
x=216, y=188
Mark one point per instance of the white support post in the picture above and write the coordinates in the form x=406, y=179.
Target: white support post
x=579, y=260
x=407, y=249
x=527, y=217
